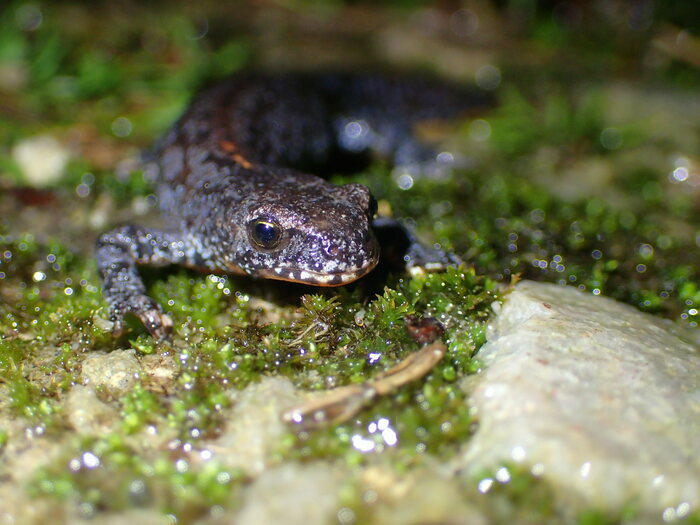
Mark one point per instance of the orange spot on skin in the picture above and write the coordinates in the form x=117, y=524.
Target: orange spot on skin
x=232, y=150
x=228, y=147
x=242, y=161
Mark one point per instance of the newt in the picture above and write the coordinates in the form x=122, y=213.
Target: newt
x=238, y=178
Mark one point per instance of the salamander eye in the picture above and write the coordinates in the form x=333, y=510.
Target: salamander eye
x=265, y=233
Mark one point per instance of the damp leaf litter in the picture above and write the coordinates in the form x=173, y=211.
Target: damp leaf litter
x=585, y=175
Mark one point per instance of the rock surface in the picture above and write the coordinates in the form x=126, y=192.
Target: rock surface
x=87, y=414
x=293, y=494
x=601, y=400
x=117, y=372
x=42, y=159
x=253, y=427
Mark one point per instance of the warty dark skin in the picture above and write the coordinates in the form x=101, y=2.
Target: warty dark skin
x=233, y=178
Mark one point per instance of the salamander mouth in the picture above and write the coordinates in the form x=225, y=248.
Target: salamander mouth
x=297, y=275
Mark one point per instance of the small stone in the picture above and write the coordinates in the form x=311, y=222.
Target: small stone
x=254, y=426
x=117, y=372
x=42, y=159
x=86, y=413
x=597, y=398
x=103, y=324
x=418, y=496
x=293, y=494
x=160, y=373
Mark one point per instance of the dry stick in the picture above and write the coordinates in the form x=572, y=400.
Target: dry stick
x=340, y=404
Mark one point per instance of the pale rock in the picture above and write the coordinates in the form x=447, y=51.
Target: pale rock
x=601, y=400
x=26, y=452
x=42, y=159
x=86, y=413
x=293, y=494
x=254, y=427
x=117, y=372
x=419, y=496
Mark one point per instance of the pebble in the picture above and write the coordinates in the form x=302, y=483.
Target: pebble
x=254, y=426
x=86, y=413
x=117, y=372
x=42, y=160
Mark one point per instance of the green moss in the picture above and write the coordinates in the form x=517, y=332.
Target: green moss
x=516, y=496
x=106, y=475
x=427, y=417
x=140, y=408
x=11, y=353
x=124, y=190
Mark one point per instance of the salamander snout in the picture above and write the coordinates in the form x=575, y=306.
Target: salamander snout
x=343, y=257
x=325, y=259
x=318, y=235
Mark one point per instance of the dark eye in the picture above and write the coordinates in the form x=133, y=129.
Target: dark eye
x=266, y=234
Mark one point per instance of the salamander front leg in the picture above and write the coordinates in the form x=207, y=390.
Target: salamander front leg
x=118, y=253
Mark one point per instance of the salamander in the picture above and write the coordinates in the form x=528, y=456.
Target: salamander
x=238, y=178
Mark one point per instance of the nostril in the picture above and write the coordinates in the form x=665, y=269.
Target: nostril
x=332, y=250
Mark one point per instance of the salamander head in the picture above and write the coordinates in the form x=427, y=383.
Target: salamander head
x=316, y=234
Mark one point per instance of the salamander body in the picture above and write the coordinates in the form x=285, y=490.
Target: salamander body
x=234, y=178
